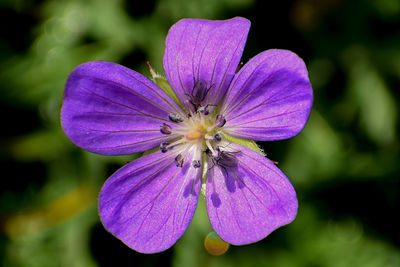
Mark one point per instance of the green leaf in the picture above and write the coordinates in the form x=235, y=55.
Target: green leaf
x=166, y=87
x=244, y=142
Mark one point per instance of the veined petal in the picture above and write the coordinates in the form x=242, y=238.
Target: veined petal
x=248, y=201
x=204, y=50
x=270, y=98
x=110, y=109
x=149, y=203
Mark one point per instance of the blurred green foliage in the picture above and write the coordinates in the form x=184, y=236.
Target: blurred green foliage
x=344, y=165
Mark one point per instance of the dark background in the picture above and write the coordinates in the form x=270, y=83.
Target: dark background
x=344, y=165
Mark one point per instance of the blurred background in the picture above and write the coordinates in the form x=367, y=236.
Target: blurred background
x=345, y=164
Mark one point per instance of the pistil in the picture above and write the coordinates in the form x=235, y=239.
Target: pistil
x=195, y=134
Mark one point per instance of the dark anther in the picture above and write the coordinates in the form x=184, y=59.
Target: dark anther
x=196, y=163
x=204, y=110
x=175, y=117
x=220, y=121
x=165, y=129
x=217, y=137
x=164, y=147
x=179, y=160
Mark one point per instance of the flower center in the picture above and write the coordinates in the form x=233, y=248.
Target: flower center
x=198, y=132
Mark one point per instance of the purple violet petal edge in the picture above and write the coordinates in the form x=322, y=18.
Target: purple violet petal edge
x=270, y=98
x=205, y=50
x=247, y=202
x=112, y=110
x=149, y=203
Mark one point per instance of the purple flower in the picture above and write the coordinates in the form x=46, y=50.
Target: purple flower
x=148, y=203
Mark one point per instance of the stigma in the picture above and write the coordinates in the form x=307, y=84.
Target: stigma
x=196, y=134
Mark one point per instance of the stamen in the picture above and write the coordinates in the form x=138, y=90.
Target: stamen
x=217, y=138
x=165, y=129
x=164, y=147
x=179, y=160
x=204, y=110
x=196, y=163
x=214, y=153
x=208, y=137
x=219, y=121
x=218, y=154
x=197, y=159
x=202, y=119
x=177, y=142
x=175, y=117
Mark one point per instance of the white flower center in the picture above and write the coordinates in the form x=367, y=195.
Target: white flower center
x=199, y=132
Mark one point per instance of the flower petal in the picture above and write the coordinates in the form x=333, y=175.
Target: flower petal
x=247, y=202
x=204, y=50
x=270, y=98
x=149, y=203
x=110, y=109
